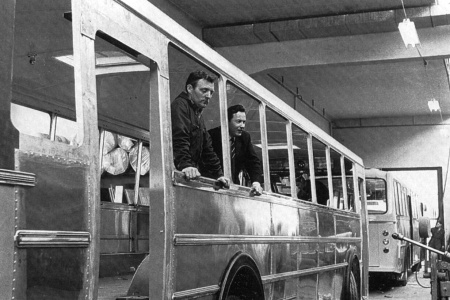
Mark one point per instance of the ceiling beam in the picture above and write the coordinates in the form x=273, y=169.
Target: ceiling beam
x=326, y=26
x=364, y=48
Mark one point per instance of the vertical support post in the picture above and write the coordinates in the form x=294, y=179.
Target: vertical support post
x=312, y=172
x=290, y=144
x=344, y=183
x=138, y=173
x=52, y=132
x=83, y=32
x=329, y=177
x=265, y=148
x=223, y=104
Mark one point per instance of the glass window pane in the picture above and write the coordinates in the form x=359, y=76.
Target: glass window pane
x=248, y=168
x=402, y=199
x=301, y=161
x=405, y=202
x=278, y=153
x=397, y=198
x=350, y=184
x=337, y=179
x=376, y=195
x=320, y=171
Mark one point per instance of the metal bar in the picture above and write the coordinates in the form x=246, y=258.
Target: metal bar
x=290, y=144
x=312, y=173
x=264, y=146
x=197, y=293
x=138, y=173
x=222, y=239
x=401, y=237
x=213, y=289
x=44, y=238
x=330, y=178
x=288, y=275
x=102, y=145
x=223, y=102
x=17, y=178
x=344, y=183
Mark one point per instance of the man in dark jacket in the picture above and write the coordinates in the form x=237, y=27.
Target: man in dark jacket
x=191, y=141
x=245, y=158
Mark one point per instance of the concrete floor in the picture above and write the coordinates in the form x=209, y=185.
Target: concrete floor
x=412, y=291
x=112, y=287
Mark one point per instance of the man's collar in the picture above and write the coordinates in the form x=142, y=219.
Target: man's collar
x=185, y=96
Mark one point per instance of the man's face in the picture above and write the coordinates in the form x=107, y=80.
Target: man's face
x=202, y=92
x=237, y=124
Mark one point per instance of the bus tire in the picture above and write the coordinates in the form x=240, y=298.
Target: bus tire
x=353, y=288
x=241, y=280
x=352, y=278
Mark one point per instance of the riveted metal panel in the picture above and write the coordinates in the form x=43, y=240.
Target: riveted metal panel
x=59, y=202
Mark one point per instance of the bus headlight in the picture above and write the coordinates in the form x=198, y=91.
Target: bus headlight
x=386, y=242
x=386, y=250
x=385, y=233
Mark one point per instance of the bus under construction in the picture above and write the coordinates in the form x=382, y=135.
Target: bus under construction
x=92, y=205
x=393, y=208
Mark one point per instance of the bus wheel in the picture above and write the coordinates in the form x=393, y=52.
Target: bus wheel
x=242, y=280
x=352, y=278
x=353, y=288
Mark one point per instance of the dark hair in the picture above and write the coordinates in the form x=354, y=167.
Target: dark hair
x=195, y=76
x=234, y=109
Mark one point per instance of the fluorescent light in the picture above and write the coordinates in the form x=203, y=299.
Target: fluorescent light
x=110, y=65
x=433, y=105
x=277, y=146
x=67, y=59
x=408, y=33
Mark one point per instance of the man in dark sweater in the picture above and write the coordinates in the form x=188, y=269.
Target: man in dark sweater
x=243, y=156
x=191, y=141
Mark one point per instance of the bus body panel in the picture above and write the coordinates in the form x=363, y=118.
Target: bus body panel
x=211, y=227
x=379, y=260
x=53, y=221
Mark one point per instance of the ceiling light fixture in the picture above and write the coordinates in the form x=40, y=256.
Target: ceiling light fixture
x=409, y=33
x=109, y=65
x=433, y=105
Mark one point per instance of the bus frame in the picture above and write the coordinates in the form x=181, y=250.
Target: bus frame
x=30, y=165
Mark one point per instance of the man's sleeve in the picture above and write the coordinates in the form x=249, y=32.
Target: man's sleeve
x=252, y=162
x=180, y=135
x=210, y=159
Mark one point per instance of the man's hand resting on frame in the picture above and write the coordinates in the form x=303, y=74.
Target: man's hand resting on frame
x=191, y=173
x=222, y=183
x=256, y=189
